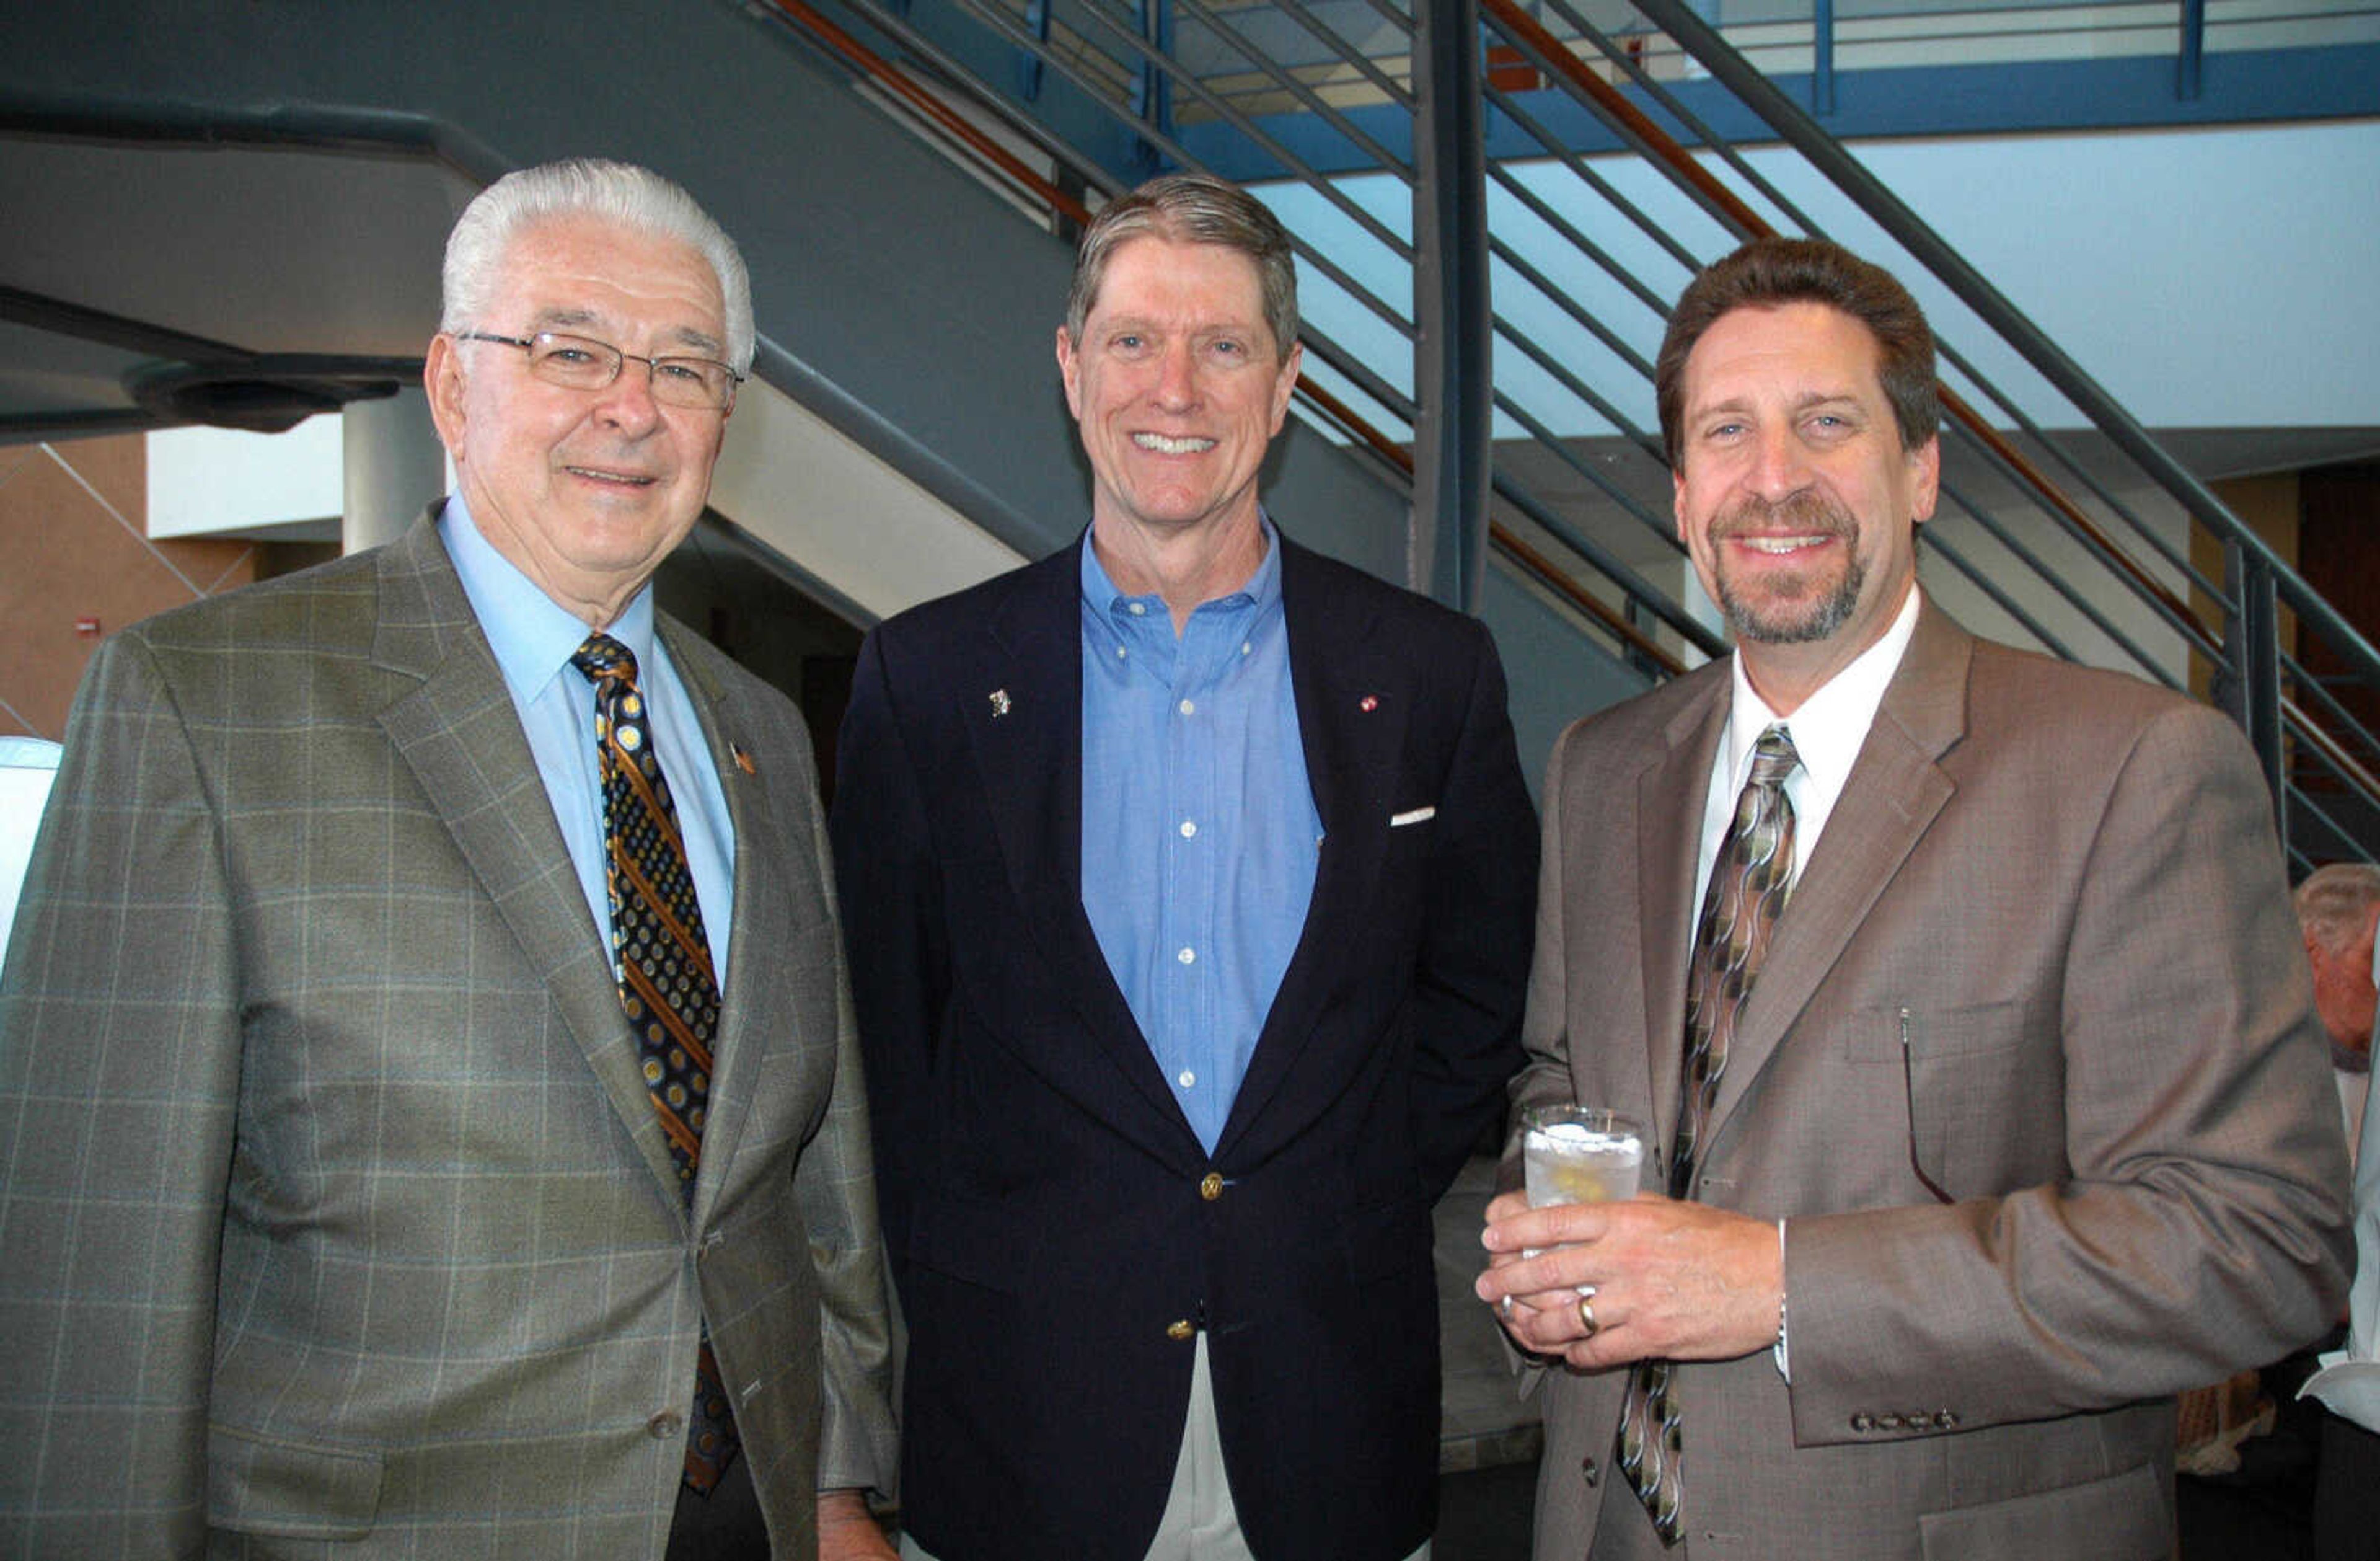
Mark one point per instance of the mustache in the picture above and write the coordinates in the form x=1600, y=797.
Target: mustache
x=1804, y=512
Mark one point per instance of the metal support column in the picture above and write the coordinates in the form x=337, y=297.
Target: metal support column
x=1448, y=545
x=2252, y=652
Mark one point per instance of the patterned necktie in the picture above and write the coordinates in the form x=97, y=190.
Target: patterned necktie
x=1748, y=887
x=666, y=982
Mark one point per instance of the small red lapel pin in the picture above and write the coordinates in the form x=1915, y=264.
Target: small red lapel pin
x=1368, y=703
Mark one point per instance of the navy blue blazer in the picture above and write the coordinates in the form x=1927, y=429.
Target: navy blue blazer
x=1058, y=1233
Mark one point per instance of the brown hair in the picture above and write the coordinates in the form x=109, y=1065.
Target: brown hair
x=1191, y=209
x=1768, y=273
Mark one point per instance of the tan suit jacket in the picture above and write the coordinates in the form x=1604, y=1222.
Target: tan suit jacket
x=2065, y=884
x=334, y=1208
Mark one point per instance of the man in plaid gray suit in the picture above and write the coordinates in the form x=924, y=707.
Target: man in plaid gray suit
x=334, y=1203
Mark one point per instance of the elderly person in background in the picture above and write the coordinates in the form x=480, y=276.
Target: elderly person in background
x=2339, y=908
x=395, y=1155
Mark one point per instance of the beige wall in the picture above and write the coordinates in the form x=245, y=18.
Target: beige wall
x=71, y=517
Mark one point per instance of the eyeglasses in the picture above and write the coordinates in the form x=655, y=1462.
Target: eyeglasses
x=583, y=363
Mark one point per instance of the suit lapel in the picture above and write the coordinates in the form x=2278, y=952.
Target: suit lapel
x=1669, y=842
x=1024, y=719
x=1895, y=790
x=1351, y=721
x=461, y=737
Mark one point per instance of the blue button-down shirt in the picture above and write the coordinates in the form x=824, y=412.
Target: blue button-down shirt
x=1200, y=834
x=534, y=637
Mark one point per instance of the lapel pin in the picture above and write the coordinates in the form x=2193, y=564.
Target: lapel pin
x=1368, y=703
x=742, y=760
x=999, y=703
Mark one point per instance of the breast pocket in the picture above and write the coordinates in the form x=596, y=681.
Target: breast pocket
x=1983, y=1089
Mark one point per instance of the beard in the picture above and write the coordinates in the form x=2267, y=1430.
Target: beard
x=1790, y=609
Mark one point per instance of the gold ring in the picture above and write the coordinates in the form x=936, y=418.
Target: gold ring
x=1586, y=1314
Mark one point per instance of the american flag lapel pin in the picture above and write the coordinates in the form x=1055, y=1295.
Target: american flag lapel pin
x=999, y=704
x=1368, y=703
x=742, y=760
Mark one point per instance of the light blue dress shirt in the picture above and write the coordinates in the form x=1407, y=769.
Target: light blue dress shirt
x=534, y=637
x=1200, y=834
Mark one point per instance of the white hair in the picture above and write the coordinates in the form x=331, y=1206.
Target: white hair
x=2333, y=902
x=635, y=198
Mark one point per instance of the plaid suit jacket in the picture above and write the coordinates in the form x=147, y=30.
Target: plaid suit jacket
x=334, y=1211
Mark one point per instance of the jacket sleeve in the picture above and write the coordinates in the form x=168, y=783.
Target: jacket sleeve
x=1474, y=965
x=890, y=892
x=120, y=1051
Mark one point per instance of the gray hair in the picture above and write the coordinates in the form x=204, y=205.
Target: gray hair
x=1191, y=209
x=634, y=198
x=2334, y=901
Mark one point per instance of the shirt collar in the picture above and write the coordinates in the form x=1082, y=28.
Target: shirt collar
x=1106, y=599
x=1831, y=725
x=532, y=635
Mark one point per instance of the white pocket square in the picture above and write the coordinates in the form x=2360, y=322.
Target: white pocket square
x=1418, y=815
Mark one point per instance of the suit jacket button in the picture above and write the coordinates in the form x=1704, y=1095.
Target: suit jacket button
x=1863, y=1421
x=1944, y=1419
x=1210, y=1186
x=1180, y=1330
x=666, y=1426
x=1593, y=1471
x=1888, y=1422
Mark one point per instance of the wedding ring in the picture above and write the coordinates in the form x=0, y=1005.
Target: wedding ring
x=1586, y=1314
x=1504, y=1308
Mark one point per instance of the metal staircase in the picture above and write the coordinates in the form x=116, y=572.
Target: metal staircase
x=1496, y=203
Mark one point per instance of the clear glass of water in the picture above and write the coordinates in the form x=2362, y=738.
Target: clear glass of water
x=1580, y=1154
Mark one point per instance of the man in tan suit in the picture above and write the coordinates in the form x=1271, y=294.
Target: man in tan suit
x=344, y=1209
x=2009, y=1123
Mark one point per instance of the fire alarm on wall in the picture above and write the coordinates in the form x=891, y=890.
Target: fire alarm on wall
x=86, y=626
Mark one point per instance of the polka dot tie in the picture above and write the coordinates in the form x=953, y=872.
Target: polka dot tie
x=666, y=982
x=1748, y=886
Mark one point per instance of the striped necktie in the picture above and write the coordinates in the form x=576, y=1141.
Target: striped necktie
x=1748, y=886
x=662, y=958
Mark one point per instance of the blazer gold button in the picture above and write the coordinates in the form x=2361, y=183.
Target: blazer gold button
x=666, y=1426
x=1863, y=1421
x=1210, y=1186
x=1180, y=1330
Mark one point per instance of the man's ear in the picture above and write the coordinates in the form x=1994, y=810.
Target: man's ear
x=1070, y=371
x=442, y=381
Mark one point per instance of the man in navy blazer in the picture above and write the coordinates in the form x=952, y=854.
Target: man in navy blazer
x=1188, y=879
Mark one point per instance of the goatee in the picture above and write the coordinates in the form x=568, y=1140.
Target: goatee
x=1792, y=611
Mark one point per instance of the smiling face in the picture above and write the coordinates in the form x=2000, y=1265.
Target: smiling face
x=1793, y=494
x=1178, y=387
x=585, y=492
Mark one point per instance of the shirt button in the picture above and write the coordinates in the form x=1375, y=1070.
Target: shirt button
x=1210, y=1186
x=1180, y=1329
x=1188, y=957
x=1121, y=652
x=1245, y=647
x=1186, y=1078
x=666, y=1426
x=1137, y=609
x=1189, y=830
x=1188, y=707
